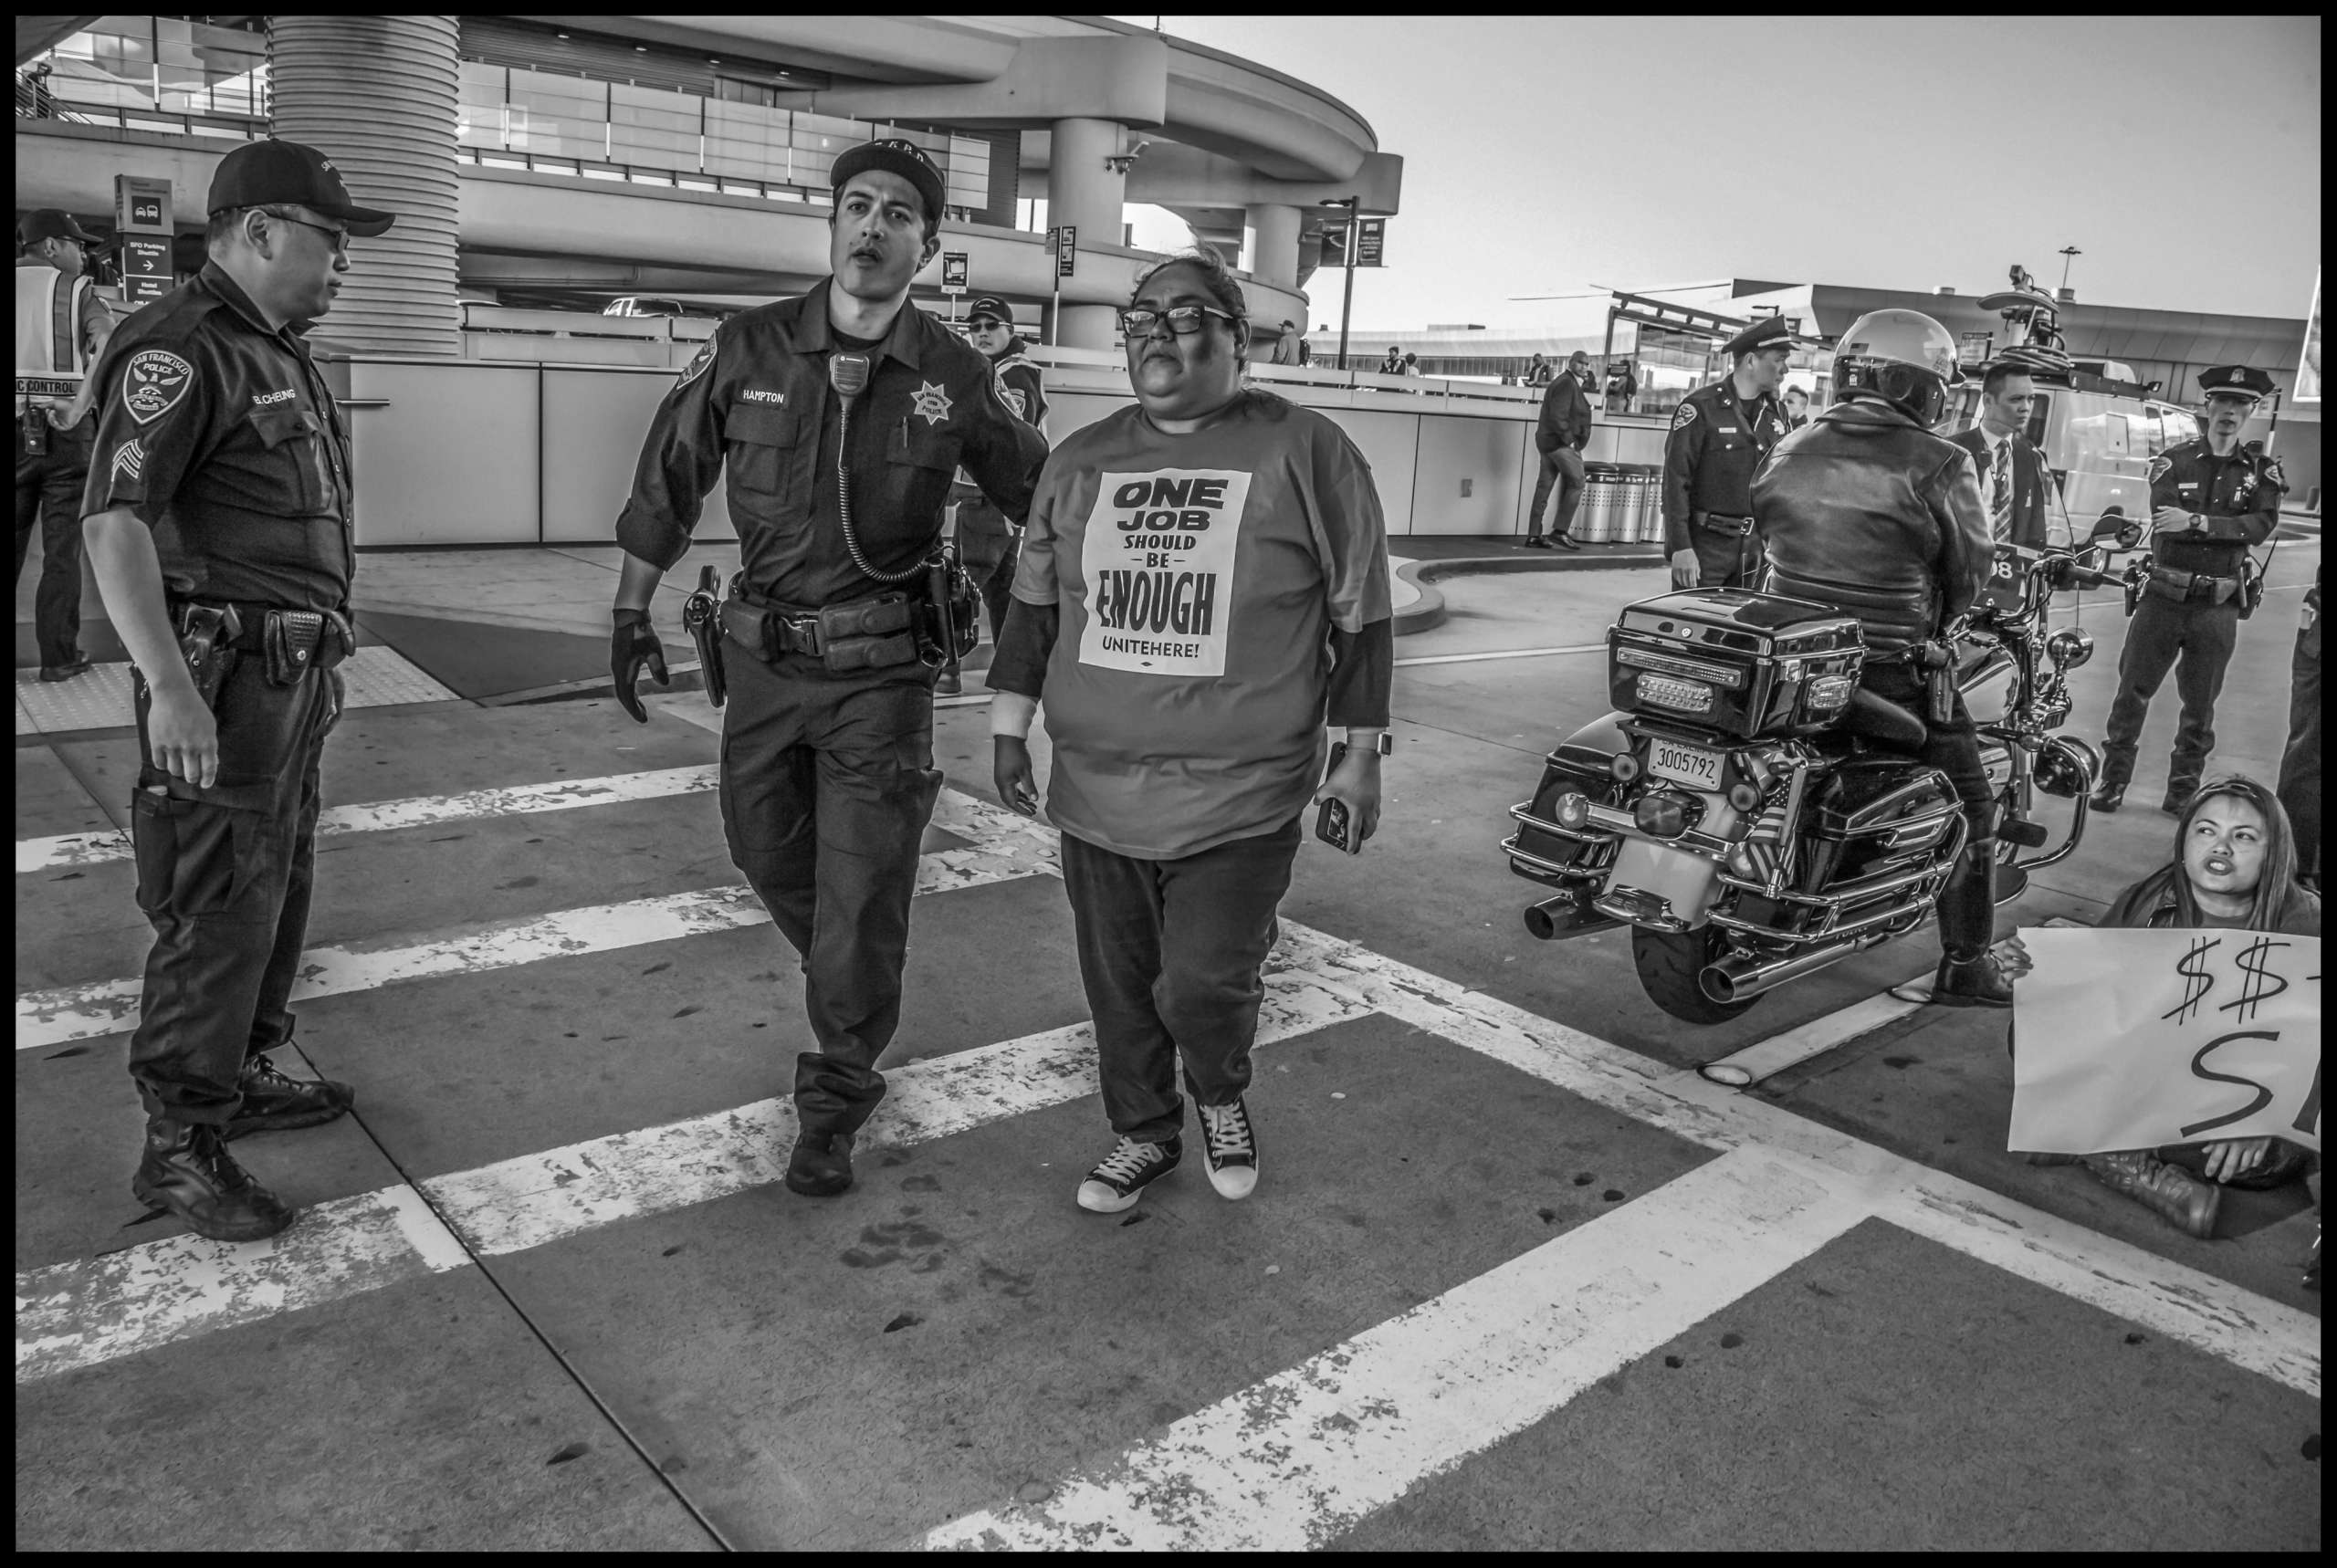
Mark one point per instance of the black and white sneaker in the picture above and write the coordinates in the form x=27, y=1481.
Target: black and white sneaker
x=1231, y=1149
x=1125, y=1172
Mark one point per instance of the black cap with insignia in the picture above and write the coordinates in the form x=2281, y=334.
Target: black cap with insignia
x=991, y=306
x=2235, y=380
x=275, y=173
x=894, y=156
x=1769, y=331
x=51, y=223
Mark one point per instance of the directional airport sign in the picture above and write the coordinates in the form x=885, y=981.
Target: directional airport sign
x=1371, y=242
x=953, y=272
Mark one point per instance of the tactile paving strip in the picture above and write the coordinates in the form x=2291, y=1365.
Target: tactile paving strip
x=376, y=676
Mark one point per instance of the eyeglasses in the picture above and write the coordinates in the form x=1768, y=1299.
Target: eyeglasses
x=984, y=325
x=337, y=239
x=1184, y=320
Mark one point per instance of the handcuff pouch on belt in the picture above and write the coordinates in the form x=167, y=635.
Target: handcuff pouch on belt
x=863, y=634
x=1722, y=524
x=290, y=642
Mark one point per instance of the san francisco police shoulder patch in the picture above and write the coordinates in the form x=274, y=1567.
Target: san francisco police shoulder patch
x=2272, y=475
x=2157, y=470
x=154, y=382
x=1685, y=416
x=697, y=365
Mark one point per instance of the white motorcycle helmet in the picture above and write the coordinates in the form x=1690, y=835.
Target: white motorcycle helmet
x=1902, y=357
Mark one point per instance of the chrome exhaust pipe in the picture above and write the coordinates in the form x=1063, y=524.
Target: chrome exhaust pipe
x=1740, y=976
x=1566, y=915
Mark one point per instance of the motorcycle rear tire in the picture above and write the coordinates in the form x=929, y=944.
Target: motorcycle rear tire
x=1669, y=964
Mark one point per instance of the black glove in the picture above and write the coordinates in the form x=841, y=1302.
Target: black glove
x=633, y=644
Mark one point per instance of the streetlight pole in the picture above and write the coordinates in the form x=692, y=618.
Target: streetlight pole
x=2070, y=253
x=1347, y=302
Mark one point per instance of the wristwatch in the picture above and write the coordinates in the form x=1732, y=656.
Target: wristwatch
x=1384, y=745
x=2198, y=521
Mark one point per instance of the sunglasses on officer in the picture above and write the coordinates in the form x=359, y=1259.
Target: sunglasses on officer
x=337, y=239
x=1184, y=320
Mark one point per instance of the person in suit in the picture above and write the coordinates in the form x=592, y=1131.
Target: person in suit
x=1560, y=436
x=1797, y=408
x=2011, y=469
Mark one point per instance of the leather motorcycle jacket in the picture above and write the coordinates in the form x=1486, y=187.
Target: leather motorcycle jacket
x=1864, y=509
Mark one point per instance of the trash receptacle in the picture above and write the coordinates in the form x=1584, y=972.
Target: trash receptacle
x=1650, y=524
x=1594, y=524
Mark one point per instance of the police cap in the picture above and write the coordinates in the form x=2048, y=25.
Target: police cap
x=991, y=306
x=290, y=173
x=2235, y=380
x=48, y=223
x=894, y=156
x=1769, y=332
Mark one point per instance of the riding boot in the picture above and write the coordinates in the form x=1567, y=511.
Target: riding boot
x=187, y=1171
x=2172, y=1194
x=1969, y=974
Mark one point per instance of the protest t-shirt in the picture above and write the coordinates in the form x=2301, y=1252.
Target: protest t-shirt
x=1198, y=578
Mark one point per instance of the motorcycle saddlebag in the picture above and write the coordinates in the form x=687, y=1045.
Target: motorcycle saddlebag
x=1750, y=666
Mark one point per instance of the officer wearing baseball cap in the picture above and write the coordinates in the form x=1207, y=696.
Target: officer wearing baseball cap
x=835, y=421
x=986, y=539
x=217, y=514
x=62, y=324
x=1719, y=435
x=2211, y=501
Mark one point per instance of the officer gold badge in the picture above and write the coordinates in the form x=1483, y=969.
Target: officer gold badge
x=931, y=402
x=153, y=383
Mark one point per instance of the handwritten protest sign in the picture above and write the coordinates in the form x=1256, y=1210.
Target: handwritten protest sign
x=2131, y=1039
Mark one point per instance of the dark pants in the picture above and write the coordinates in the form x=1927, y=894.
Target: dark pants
x=1727, y=561
x=224, y=875
x=2195, y=641
x=1966, y=904
x=1171, y=951
x=1562, y=466
x=48, y=497
x=2301, y=761
x=827, y=785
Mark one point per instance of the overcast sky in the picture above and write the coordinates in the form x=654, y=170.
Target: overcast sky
x=1547, y=155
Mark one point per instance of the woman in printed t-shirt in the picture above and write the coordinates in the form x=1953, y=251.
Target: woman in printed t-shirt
x=1203, y=586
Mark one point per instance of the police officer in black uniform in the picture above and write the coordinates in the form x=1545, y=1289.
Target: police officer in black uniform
x=839, y=418
x=218, y=515
x=2211, y=501
x=986, y=540
x=1719, y=435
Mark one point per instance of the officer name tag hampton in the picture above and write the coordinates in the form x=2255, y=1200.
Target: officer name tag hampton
x=1158, y=560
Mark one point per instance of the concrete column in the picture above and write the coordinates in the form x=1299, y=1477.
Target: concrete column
x=377, y=95
x=1086, y=193
x=1270, y=244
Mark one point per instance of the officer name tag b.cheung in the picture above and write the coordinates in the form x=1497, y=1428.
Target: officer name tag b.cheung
x=1158, y=560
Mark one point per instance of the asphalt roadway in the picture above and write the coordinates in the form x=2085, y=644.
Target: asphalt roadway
x=1515, y=1277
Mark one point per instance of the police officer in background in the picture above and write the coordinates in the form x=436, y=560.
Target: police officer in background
x=218, y=522
x=838, y=418
x=2211, y=500
x=985, y=538
x=1865, y=509
x=1719, y=435
x=62, y=325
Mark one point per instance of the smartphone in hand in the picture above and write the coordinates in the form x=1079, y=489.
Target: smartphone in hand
x=1334, y=824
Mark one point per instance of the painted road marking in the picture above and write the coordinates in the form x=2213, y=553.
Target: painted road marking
x=419, y=810
x=1503, y=653
x=86, y=1311
x=1767, y=1058
x=1291, y=1463
x=108, y=1006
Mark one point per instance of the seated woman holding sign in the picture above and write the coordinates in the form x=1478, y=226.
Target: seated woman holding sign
x=2235, y=867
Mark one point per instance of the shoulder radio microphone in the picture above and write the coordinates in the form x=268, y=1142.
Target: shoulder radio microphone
x=848, y=373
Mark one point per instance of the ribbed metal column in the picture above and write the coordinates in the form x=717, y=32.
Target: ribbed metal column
x=377, y=95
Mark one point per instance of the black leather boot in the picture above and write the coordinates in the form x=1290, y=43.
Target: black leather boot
x=821, y=1165
x=1969, y=975
x=2172, y=1192
x=273, y=1102
x=2178, y=795
x=2108, y=799
x=186, y=1172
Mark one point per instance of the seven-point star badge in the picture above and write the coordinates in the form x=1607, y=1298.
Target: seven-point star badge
x=931, y=402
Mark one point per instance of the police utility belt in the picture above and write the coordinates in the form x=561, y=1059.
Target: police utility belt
x=872, y=634
x=1723, y=524
x=214, y=638
x=2192, y=587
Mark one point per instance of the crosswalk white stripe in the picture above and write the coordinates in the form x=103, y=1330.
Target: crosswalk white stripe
x=106, y=1007
x=89, y=1311
x=1290, y=1463
x=414, y=811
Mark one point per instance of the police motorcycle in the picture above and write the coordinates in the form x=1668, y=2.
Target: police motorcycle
x=1753, y=816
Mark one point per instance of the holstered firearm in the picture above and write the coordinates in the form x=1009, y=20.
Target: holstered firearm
x=952, y=604
x=2138, y=577
x=701, y=617
x=1937, y=662
x=204, y=632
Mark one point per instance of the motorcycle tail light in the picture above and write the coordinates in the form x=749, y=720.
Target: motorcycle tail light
x=1829, y=692
x=1744, y=861
x=1571, y=809
x=1679, y=695
x=1744, y=797
x=1662, y=816
x=1625, y=767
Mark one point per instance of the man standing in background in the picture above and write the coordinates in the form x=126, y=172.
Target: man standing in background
x=1560, y=435
x=62, y=325
x=1719, y=435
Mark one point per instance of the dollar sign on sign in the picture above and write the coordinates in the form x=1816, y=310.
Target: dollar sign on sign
x=2197, y=978
x=2257, y=988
